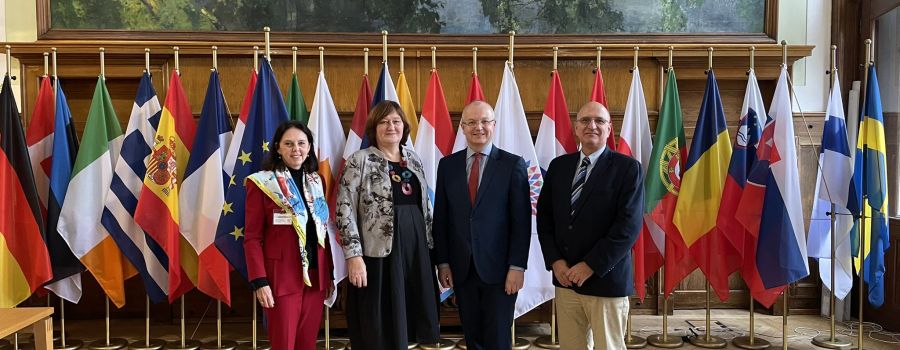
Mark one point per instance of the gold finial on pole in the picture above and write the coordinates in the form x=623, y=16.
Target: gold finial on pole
x=103, y=63
x=177, y=66
x=599, y=56
x=366, y=61
x=709, y=57
x=384, y=35
x=832, y=72
x=147, y=60
x=555, y=54
x=255, y=58
x=671, y=53
x=321, y=59
x=215, y=57
x=784, y=53
x=294, y=59
x=433, y=58
x=475, y=60
x=267, y=32
x=402, y=54
x=752, y=57
x=512, y=40
x=46, y=63
x=9, y=60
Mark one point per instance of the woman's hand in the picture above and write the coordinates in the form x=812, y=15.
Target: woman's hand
x=356, y=271
x=264, y=295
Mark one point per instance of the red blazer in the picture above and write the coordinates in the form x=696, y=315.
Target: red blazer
x=273, y=252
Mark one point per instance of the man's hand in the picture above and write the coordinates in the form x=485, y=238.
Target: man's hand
x=560, y=271
x=515, y=279
x=356, y=271
x=579, y=273
x=445, y=276
x=264, y=295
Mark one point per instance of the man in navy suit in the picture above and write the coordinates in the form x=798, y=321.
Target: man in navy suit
x=589, y=215
x=482, y=228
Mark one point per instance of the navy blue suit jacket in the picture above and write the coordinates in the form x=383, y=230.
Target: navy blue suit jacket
x=607, y=220
x=495, y=233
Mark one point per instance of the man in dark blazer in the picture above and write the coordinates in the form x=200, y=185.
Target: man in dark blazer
x=589, y=215
x=482, y=228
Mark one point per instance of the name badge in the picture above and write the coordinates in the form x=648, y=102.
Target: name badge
x=281, y=218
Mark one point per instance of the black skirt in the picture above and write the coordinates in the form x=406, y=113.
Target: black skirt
x=399, y=304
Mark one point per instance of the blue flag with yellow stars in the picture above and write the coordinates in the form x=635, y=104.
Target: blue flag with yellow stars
x=267, y=111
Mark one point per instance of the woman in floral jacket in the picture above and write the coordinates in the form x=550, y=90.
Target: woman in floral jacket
x=384, y=216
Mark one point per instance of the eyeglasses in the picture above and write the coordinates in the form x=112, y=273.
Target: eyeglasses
x=588, y=120
x=474, y=123
x=386, y=122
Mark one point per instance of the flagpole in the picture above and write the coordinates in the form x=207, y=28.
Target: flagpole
x=255, y=63
x=402, y=54
x=664, y=340
x=147, y=343
x=9, y=61
x=147, y=60
x=599, y=56
x=266, y=31
x=183, y=343
x=549, y=341
x=55, y=76
x=860, y=343
x=254, y=343
x=384, y=46
x=475, y=60
x=219, y=343
x=46, y=63
x=108, y=343
x=175, y=49
x=512, y=39
x=749, y=341
x=832, y=340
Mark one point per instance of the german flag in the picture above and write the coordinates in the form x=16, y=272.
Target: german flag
x=24, y=261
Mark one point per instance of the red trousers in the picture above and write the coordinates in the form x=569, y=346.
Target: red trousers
x=294, y=321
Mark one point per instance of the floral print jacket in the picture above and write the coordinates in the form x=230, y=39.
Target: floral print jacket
x=365, y=208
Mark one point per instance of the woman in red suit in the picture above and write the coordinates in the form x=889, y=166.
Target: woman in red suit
x=286, y=239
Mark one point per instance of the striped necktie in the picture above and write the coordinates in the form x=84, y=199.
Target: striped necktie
x=580, y=178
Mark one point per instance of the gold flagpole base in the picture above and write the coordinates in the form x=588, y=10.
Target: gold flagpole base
x=546, y=342
x=114, y=344
x=335, y=345
x=71, y=344
x=461, y=344
x=712, y=342
x=635, y=342
x=744, y=343
x=260, y=345
x=152, y=344
x=213, y=345
x=442, y=344
x=824, y=341
x=521, y=344
x=411, y=345
x=189, y=344
x=670, y=341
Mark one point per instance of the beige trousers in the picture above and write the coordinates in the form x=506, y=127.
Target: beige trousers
x=581, y=315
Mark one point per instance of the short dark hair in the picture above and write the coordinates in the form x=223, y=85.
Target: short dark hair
x=381, y=111
x=274, y=161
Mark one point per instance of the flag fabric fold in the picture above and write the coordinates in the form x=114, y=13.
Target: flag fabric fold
x=24, y=261
x=511, y=134
x=870, y=193
x=661, y=189
x=249, y=146
x=52, y=147
x=296, y=105
x=157, y=210
x=92, y=175
x=635, y=142
x=203, y=193
x=701, y=191
x=325, y=124
x=833, y=187
x=408, y=105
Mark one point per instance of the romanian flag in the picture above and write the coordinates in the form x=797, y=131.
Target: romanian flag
x=157, y=209
x=870, y=193
x=295, y=104
x=24, y=261
x=409, y=107
x=704, y=180
x=92, y=176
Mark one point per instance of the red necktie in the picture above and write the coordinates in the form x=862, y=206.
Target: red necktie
x=473, y=177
